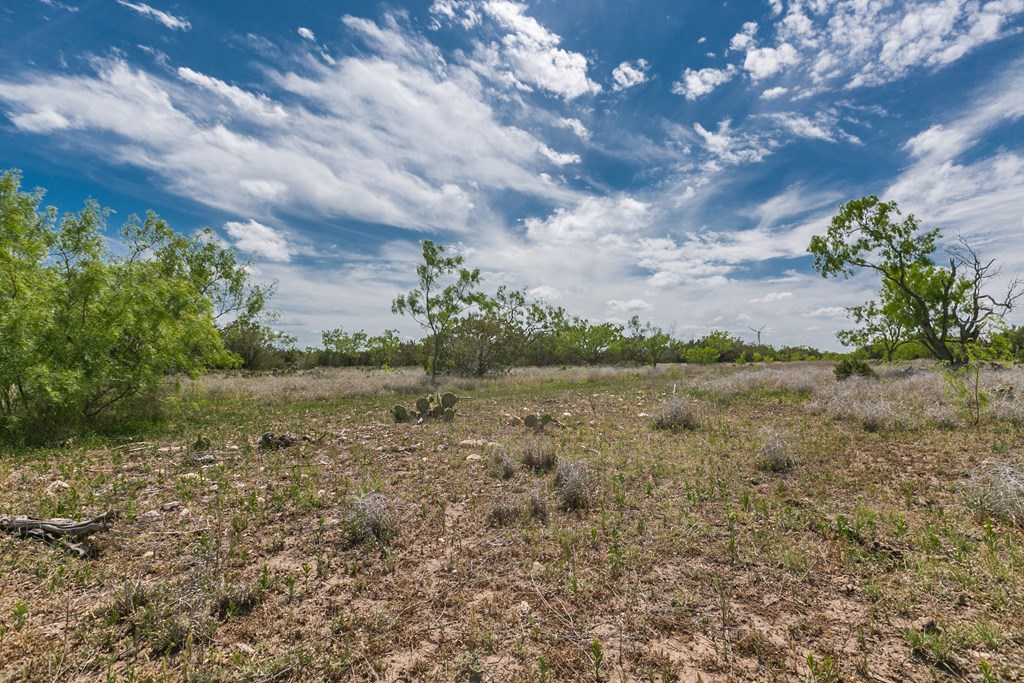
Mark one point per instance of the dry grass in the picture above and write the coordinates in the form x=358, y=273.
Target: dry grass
x=666, y=547
x=996, y=489
x=680, y=413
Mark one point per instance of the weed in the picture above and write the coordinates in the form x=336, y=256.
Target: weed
x=371, y=519
x=933, y=645
x=848, y=367
x=537, y=506
x=575, y=482
x=538, y=456
x=997, y=490
x=775, y=453
x=501, y=464
x=679, y=414
x=825, y=671
x=504, y=511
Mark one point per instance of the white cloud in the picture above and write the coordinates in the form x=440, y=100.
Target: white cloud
x=627, y=75
x=169, y=20
x=388, y=138
x=744, y=40
x=592, y=219
x=774, y=93
x=762, y=62
x=259, y=239
x=576, y=126
x=246, y=103
x=827, y=312
x=772, y=297
x=631, y=306
x=695, y=84
x=733, y=148
x=534, y=54
x=306, y=34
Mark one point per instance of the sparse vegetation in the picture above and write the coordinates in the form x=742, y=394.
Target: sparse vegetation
x=680, y=553
x=996, y=489
x=680, y=413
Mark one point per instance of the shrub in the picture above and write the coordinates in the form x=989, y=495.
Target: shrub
x=372, y=519
x=504, y=511
x=538, y=456
x=537, y=506
x=501, y=464
x=848, y=367
x=575, y=482
x=774, y=454
x=997, y=490
x=678, y=414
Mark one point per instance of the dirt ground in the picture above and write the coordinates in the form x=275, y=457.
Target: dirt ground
x=775, y=534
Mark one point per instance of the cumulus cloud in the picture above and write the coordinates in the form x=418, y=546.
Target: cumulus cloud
x=696, y=84
x=762, y=62
x=631, y=306
x=591, y=219
x=774, y=93
x=306, y=34
x=259, y=239
x=169, y=20
x=627, y=75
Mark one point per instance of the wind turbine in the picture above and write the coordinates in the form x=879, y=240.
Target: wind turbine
x=758, y=332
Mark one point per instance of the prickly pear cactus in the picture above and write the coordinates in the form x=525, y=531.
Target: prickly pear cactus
x=449, y=400
x=423, y=406
x=531, y=421
x=400, y=414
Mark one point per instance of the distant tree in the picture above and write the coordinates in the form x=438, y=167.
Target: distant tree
x=436, y=306
x=650, y=344
x=84, y=327
x=590, y=343
x=257, y=344
x=945, y=308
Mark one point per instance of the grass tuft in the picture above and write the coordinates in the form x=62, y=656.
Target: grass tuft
x=371, y=519
x=997, y=490
x=576, y=484
x=775, y=454
x=538, y=456
x=678, y=414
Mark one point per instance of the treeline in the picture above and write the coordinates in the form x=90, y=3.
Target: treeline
x=470, y=332
x=578, y=342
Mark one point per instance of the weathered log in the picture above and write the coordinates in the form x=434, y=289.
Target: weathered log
x=58, y=529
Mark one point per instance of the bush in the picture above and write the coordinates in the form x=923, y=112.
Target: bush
x=848, y=367
x=678, y=414
x=504, y=511
x=538, y=456
x=371, y=519
x=774, y=454
x=85, y=327
x=575, y=482
x=997, y=490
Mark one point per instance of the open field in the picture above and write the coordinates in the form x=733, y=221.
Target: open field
x=788, y=527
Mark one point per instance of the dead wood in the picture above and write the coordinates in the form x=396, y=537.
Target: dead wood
x=73, y=533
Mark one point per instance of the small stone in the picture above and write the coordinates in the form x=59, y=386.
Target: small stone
x=56, y=486
x=473, y=457
x=173, y=505
x=150, y=516
x=473, y=443
x=185, y=512
x=524, y=608
x=148, y=555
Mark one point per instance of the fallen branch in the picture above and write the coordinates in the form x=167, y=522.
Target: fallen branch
x=58, y=529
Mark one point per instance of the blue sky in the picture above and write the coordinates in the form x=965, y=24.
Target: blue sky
x=665, y=159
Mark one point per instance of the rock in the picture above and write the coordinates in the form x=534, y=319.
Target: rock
x=56, y=486
x=185, y=512
x=173, y=505
x=151, y=516
x=513, y=421
x=148, y=555
x=473, y=457
x=473, y=443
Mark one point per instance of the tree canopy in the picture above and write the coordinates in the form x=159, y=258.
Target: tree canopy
x=945, y=308
x=87, y=322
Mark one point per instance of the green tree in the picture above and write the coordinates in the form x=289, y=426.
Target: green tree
x=85, y=327
x=945, y=308
x=436, y=306
x=883, y=324
x=649, y=343
x=590, y=343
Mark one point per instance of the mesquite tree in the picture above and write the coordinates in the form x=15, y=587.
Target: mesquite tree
x=946, y=308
